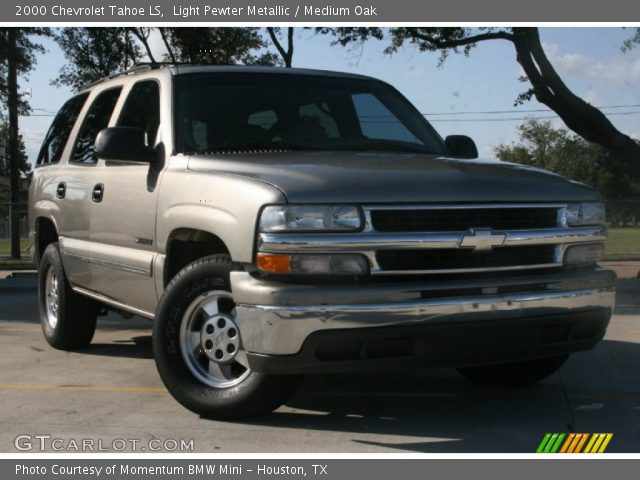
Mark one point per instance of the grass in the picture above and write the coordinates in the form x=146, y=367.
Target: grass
x=5, y=246
x=623, y=244
x=7, y=263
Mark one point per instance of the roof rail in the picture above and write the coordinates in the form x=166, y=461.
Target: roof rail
x=134, y=69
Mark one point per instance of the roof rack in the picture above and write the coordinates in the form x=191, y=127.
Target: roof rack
x=140, y=66
x=136, y=68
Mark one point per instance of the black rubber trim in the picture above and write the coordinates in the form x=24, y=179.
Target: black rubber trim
x=448, y=344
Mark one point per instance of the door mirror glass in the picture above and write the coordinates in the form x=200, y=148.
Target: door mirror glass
x=126, y=144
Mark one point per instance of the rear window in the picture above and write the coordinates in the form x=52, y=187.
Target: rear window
x=58, y=134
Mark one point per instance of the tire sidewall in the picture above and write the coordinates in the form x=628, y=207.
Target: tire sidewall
x=190, y=392
x=51, y=258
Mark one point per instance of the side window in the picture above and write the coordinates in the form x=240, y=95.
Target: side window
x=58, y=134
x=97, y=118
x=377, y=122
x=142, y=109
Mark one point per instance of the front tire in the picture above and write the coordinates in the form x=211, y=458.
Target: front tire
x=516, y=374
x=198, y=348
x=68, y=319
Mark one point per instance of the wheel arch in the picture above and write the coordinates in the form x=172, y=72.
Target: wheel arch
x=46, y=232
x=187, y=244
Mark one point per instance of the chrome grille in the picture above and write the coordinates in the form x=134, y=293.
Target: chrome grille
x=465, y=259
x=452, y=238
x=461, y=219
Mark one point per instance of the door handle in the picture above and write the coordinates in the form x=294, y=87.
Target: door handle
x=97, y=193
x=61, y=190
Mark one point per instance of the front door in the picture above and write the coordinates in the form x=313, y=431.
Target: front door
x=123, y=211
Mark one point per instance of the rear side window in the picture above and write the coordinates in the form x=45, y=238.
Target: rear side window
x=58, y=134
x=142, y=109
x=97, y=118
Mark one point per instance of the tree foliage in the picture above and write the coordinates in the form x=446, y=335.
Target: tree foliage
x=28, y=49
x=216, y=46
x=632, y=41
x=5, y=166
x=558, y=150
x=95, y=52
x=546, y=84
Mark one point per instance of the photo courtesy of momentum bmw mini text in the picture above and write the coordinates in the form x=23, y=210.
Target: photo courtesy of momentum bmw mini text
x=296, y=239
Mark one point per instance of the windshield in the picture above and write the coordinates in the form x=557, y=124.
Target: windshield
x=222, y=111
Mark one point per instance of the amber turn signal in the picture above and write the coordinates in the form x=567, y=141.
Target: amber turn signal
x=268, y=262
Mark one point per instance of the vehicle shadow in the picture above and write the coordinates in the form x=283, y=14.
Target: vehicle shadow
x=438, y=411
x=136, y=347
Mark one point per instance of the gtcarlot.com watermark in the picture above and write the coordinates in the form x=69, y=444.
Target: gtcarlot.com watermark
x=44, y=442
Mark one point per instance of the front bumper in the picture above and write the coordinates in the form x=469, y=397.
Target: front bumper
x=279, y=321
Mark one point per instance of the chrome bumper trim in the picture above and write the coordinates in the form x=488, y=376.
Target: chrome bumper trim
x=281, y=330
x=363, y=242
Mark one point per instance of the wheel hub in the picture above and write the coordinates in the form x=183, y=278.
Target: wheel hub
x=210, y=341
x=220, y=338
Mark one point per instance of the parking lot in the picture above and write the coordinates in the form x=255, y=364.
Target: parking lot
x=112, y=391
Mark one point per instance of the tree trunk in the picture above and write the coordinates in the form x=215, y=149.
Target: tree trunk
x=14, y=148
x=287, y=55
x=139, y=34
x=580, y=116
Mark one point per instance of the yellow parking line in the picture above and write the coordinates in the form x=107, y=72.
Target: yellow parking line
x=81, y=388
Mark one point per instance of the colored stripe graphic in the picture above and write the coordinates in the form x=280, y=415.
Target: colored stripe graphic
x=574, y=443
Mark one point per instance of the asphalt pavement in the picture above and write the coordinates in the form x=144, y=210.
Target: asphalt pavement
x=110, y=394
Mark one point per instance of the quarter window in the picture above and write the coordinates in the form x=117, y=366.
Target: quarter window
x=58, y=134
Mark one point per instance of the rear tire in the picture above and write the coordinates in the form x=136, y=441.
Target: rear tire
x=198, y=349
x=68, y=319
x=517, y=374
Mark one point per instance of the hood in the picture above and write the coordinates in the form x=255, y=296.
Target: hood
x=357, y=177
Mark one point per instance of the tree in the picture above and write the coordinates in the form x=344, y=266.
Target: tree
x=96, y=52
x=18, y=53
x=546, y=85
x=558, y=150
x=27, y=48
x=287, y=55
x=5, y=162
x=631, y=42
x=216, y=46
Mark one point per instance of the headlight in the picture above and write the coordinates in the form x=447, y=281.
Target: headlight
x=285, y=218
x=589, y=254
x=313, y=264
x=591, y=213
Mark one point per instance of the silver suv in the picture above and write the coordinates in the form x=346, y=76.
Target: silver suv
x=280, y=222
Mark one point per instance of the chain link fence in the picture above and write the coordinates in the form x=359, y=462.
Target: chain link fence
x=20, y=210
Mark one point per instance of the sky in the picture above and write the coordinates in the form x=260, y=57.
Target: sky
x=589, y=60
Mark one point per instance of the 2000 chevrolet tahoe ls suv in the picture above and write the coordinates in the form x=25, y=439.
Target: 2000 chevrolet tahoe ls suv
x=279, y=222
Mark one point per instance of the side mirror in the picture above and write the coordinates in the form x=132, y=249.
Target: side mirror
x=461, y=146
x=125, y=144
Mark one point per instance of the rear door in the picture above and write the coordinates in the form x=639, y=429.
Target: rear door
x=123, y=211
x=74, y=188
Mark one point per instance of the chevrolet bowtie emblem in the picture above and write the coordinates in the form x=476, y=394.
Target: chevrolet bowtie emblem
x=482, y=240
